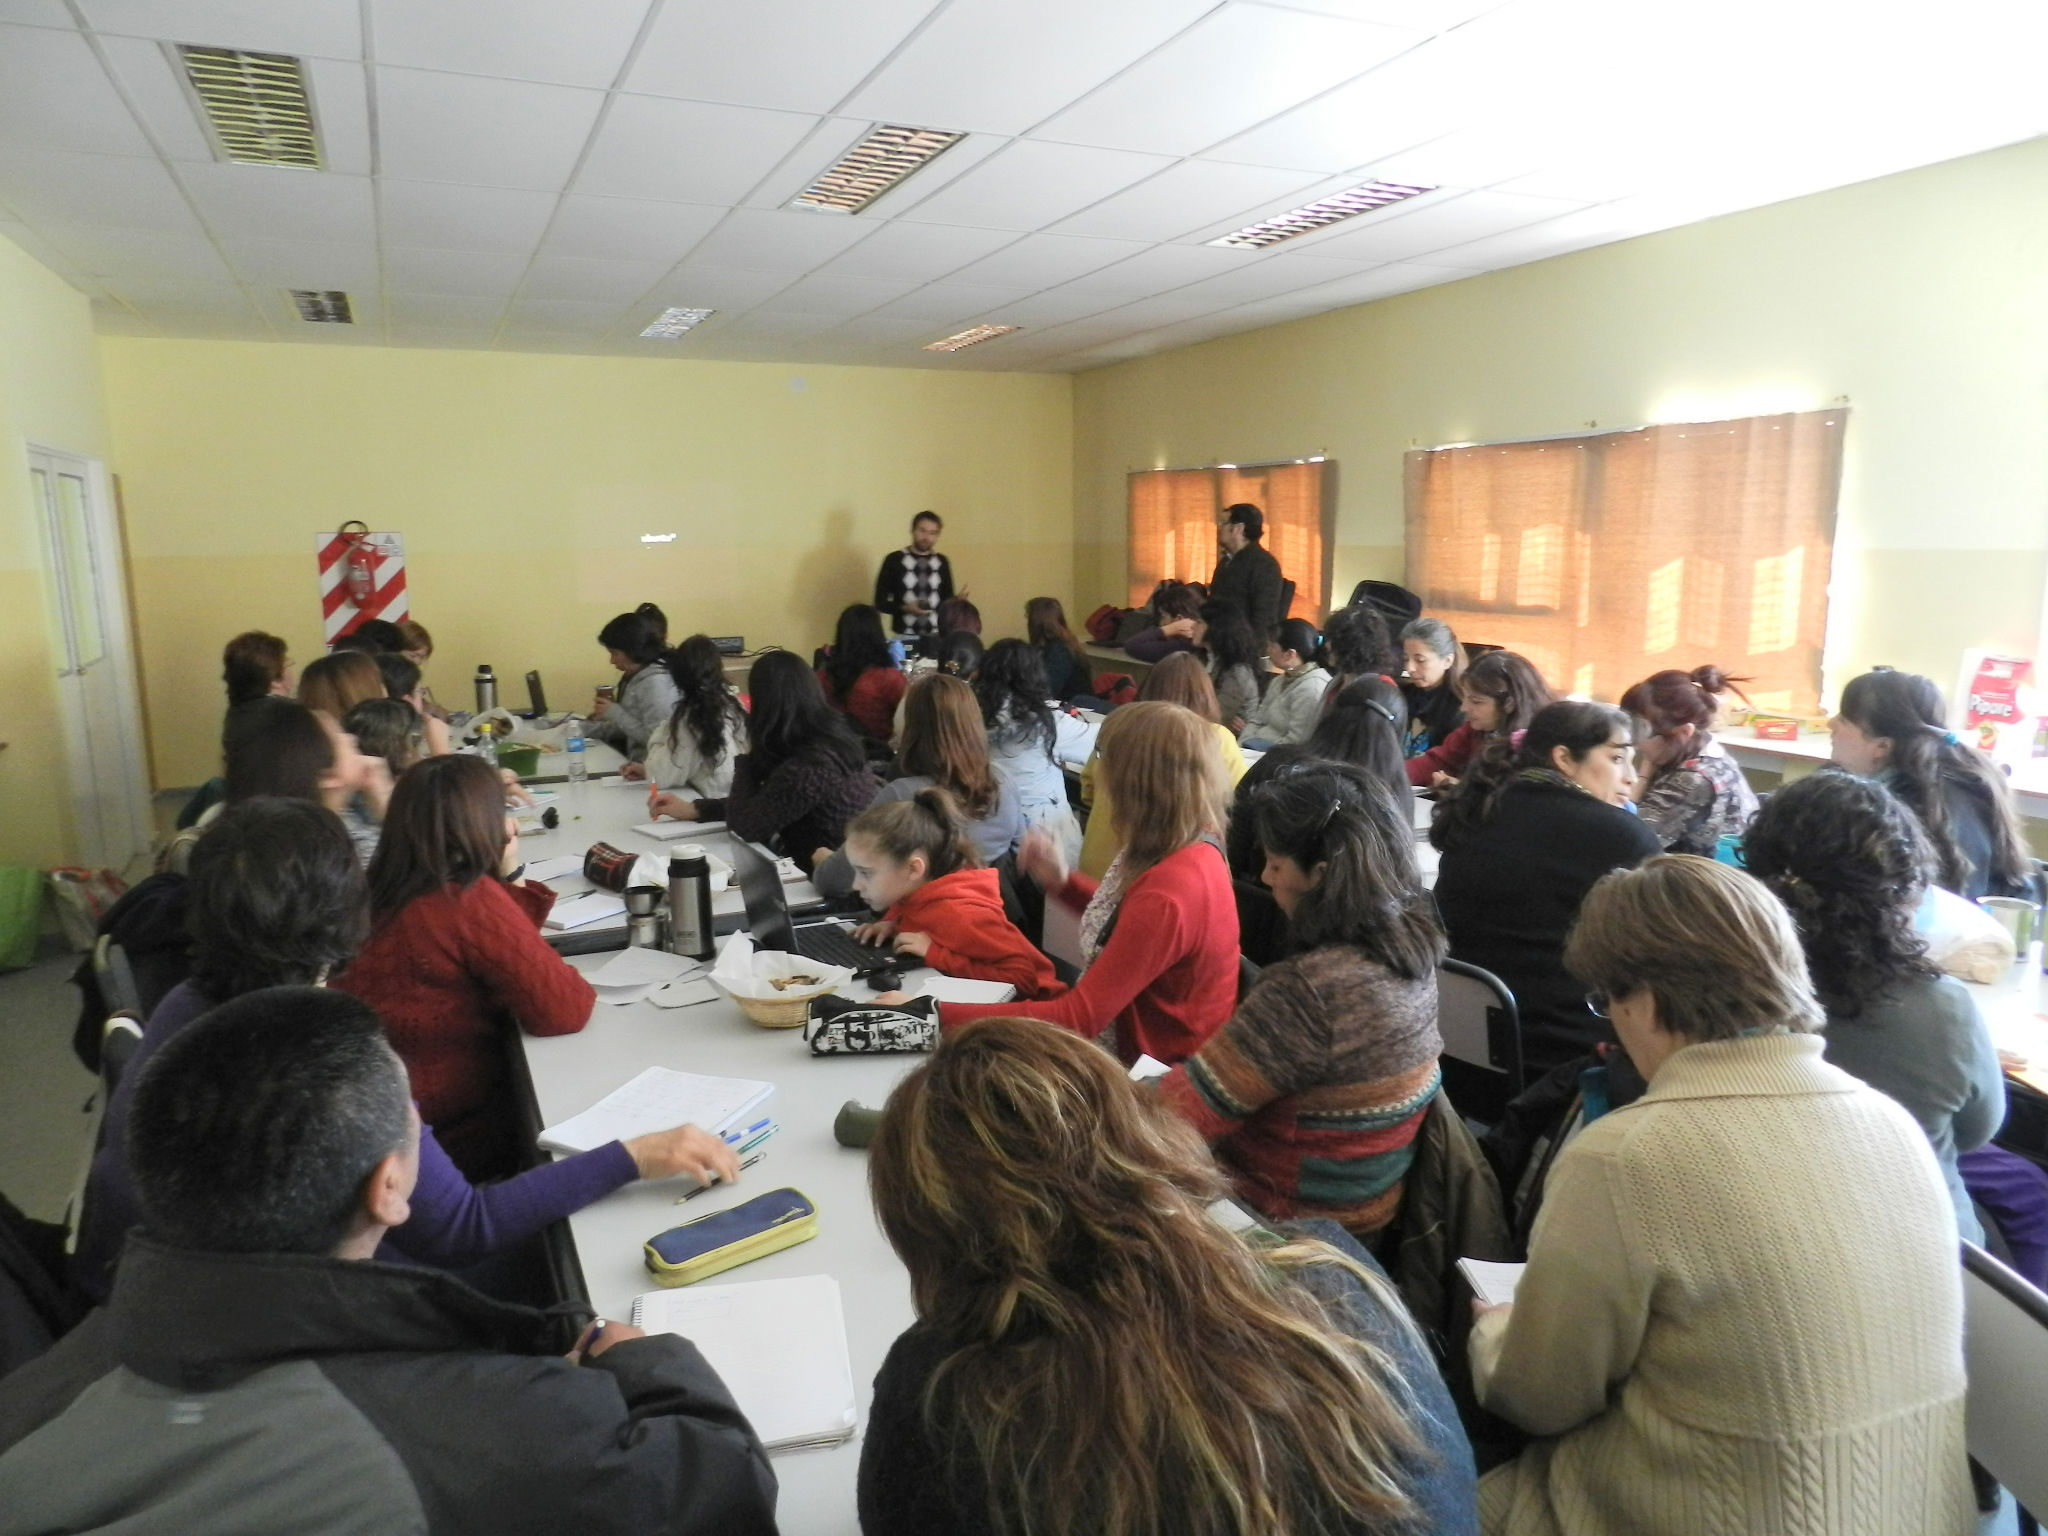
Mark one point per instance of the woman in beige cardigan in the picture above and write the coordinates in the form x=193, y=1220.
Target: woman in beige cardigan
x=1742, y=1314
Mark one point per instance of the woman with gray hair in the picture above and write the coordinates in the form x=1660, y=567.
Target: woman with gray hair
x=1432, y=670
x=1742, y=1309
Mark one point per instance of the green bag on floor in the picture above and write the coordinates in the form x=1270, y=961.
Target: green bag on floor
x=21, y=915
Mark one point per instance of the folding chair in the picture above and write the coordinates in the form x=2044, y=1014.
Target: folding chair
x=2005, y=1349
x=1482, y=1035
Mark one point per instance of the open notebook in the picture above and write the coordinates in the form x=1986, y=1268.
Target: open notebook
x=780, y=1345
x=659, y=1098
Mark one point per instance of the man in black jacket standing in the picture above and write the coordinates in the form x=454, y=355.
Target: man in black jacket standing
x=258, y=1371
x=1247, y=577
x=915, y=579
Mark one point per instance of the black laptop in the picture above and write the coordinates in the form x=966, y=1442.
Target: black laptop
x=536, y=696
x=828, y=943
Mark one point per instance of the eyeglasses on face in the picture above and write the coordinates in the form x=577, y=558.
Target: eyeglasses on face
x=1597, y=1004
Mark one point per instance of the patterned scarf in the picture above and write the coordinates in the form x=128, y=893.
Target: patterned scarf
x=1101, y=913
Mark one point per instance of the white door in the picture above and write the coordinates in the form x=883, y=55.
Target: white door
x=96, y=691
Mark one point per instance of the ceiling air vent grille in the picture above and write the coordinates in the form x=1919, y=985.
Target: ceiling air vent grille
x=878, y=162
x=1319, y=215
x=321, y=306
x=973, y=336
x=256, y=105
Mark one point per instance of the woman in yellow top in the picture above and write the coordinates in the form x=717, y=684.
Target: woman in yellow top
x=1180, y=679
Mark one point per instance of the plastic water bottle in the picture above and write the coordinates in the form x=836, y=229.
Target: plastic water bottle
x=579, y=770
x=897, y=653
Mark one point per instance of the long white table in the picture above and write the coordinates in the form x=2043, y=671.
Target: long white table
x=571, y=1072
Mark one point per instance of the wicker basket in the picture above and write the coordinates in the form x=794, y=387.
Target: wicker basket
x=787, y=1010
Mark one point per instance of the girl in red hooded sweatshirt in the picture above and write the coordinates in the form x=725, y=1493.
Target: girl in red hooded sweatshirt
x=913, y=863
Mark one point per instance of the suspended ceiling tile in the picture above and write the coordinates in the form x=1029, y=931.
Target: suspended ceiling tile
x=109, y=251
x=451, y=338
x=591, y=278
x=563, y=315
x=535, y=40
x=1185, y=197
x=1471, y=157
x=691, y=286
x=687, y=151
x=450, y=218
x=996, y=66
x=268, y=202
x=216, y=297
x=831, y=294
x=495, y=133
x=53, y=93
x=445, y=310
x=1242, y=64
x=1032, y=184
x=1363, y=287
x=946, y=302
x=61, y=186
x=36, y=13
x=1553, y=237
x=711, y=50
x=917, y=253
x=1274, y=275
x=316, y=28
x=629, y=228
x=409, y=269
x=1165, y=267
x=1039, y=261
x=1417, y=15
x=340, y=93
x=304, y=264
x=778, y=240
x=1455, y=222
x=146, y=75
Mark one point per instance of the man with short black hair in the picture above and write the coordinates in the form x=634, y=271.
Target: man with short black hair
x=257, y=1372
x=915, y=579
x=1247, y=577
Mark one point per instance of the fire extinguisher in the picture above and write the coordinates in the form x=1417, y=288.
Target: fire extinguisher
x=359, y=565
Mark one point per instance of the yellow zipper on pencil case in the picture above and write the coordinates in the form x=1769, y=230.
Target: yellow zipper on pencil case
x=721, y=1240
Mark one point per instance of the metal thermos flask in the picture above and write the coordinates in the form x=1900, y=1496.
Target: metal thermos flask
x=689, y=905
x=643, y=917
x=486, y=689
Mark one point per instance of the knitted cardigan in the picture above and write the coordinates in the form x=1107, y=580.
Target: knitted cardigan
x=1742, y=1314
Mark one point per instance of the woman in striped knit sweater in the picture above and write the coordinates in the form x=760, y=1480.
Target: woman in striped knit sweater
x=1312, y=1093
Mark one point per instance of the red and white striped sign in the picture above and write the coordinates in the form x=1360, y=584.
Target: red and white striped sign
x=384, y=556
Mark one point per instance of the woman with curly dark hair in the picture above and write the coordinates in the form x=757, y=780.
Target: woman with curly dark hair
x=1851, y=864
x=694, y=750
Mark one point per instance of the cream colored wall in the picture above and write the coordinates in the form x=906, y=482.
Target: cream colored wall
x=522, y=485
x=1921, y=299
x=49, y=397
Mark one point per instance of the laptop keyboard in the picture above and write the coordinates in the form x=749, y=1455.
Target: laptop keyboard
x=830, y=944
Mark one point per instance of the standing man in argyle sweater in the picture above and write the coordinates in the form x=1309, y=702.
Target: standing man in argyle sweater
x=914, y=580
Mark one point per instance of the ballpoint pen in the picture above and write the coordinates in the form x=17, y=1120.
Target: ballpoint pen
x=745, y=1164
x=730, y=1137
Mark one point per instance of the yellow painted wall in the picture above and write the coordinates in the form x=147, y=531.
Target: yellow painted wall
x=522, y=484
x=49, y=397
x=1922, y=298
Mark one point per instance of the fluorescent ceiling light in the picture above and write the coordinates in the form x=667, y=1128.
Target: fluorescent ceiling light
x=888, y=154
x=322, y=306
x=254, y=105
x=1363, y=198
x=671, y=323
x=972, y=336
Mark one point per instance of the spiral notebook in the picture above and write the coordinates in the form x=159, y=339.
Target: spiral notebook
x=779, y=1345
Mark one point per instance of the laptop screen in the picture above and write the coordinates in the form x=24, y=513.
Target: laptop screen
x=536, y=695
x=761, y=890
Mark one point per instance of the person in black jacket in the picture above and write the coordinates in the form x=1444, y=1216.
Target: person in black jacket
x=1247, y=577
x=1524, y=836
x=256, y=1370
x=915, y=579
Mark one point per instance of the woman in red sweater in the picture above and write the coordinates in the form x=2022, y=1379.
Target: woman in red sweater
x=455, y=957
x=1159, y=934
x=914, y=862
x=859, y=677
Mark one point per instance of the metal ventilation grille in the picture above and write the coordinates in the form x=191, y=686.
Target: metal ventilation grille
x=255, y=104
x=322, y=306
x=1319, y=215
x=874, y=165
x=972, y=336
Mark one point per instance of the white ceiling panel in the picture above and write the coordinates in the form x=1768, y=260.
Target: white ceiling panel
x=1265, y=279
x=1165, y=267
x=1059, y=306
x=1455, y=222
x=35, y=13
x=687, y=151
x=996, y=66
x=831, y=294
x=591, y=278
x=1185, y=197
x=108, y=251
x=321, y=28
x=778, y=240
x=143, y=292
x=451, y=218
x=629, y=228
x=1032, y=184
x=493, y=133
x=340, y=93
x=1553, y=237
x=894, y=332
x=1361, y=288
x=1418, y=15
x=538, y=40
x=443, y=309
x=60, y=186
x=710, y=50
x=1243, y=64
x=54, y=93
x=562, y=315
x=942, y=303
x=918, y=252
x=484, y=274
x=1472, y=157
x=267, y=202
x=299, y=264
x=454, y=338
x=154, y=88
x=1039, y=261
x=722, y=288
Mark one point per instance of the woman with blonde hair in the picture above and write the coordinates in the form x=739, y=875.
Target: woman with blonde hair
x=1094, y=1354
x=337, y=683
x=1159, y=932
x=1182, y=680
x=1742, y=1310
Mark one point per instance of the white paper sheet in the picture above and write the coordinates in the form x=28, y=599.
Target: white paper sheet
x=554, y=868
x=581, y=911
x=659, y=1099
x=1493, y=1283
x=961, y=989
x=643, y=967
x=675, y=831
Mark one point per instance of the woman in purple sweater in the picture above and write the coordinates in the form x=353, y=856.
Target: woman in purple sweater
x=277, y=899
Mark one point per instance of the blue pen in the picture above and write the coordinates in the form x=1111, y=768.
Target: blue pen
x=731, y=1136
x=749, y=1146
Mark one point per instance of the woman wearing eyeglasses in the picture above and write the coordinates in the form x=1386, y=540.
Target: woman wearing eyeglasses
x=1312, y=1093
x=1742, y=1310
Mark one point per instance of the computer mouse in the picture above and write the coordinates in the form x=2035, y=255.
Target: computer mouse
x=886, y=981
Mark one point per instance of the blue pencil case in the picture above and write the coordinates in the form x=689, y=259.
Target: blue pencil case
x=711, y=1244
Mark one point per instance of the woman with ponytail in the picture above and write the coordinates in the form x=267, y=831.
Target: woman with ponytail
x=1892, y=728
x=1692, y=794
x=693, y=752
x=1312, y=1094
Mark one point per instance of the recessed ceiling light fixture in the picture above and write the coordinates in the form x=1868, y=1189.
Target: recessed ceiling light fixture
x=322, y=306
x=881, y=160
x=254, y=105
x=671, y=323
x=974, y=335
x=1320, y=214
